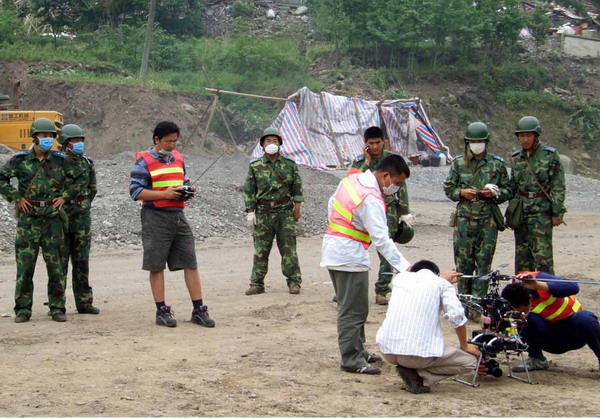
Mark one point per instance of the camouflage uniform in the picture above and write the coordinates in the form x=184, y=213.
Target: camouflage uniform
x=475, y=232
x=533, y=239
x=263, y=185
x=41, y=227
x=396, y=206
x=79, y=233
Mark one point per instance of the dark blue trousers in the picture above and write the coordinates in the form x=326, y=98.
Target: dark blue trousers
x=568, y=334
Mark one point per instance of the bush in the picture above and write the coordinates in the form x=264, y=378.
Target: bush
x=243, y=8
x=516, y=77
x=11, y=27
x=518, y=100
x=587, y=120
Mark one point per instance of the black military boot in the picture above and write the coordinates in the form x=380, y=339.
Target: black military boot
x=88, y=309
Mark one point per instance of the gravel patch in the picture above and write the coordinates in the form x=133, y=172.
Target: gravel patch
x=218, y=211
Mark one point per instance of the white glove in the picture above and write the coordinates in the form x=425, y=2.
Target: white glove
x=494, y=189
x=250, y=219
x=408, y=219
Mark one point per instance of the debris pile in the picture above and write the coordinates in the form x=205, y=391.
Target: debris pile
x=218, y=209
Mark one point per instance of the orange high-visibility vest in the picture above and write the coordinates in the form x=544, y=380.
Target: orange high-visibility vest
x=353, y=170
x=164, y=175
x=554, y=309
x=350, y=194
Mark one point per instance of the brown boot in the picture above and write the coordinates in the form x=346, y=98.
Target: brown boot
x=381, y=299
x=412, y=380
x=294, y=289
x=255, y=290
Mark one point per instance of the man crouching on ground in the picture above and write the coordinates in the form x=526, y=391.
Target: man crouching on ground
x=156, y=179
x=411, y=334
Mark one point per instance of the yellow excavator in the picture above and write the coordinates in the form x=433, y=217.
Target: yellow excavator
x=15, y=123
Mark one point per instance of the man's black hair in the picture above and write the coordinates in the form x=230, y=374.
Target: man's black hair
x=373, y=132
x=516, y=295
x=395, y=165
x=425, y=265
x=165, y=128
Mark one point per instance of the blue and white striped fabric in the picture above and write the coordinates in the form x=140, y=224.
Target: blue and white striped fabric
x=322, y=130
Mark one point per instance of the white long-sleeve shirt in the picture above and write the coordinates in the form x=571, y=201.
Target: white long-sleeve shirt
x=339, y=253
x=412, y=324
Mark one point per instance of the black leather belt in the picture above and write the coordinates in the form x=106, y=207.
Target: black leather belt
x=273, y=202
x=40, y=203
x=531, y=195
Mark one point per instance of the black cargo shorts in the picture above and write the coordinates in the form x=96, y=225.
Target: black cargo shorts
x=167, y=240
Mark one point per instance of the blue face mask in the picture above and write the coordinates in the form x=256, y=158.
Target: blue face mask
x=78, y=148
x=46, y=143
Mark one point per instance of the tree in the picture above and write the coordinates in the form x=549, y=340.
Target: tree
x=330, y=18
x=147, y=42
x=181, y=17
x=499, y=25
x=57, y=14
x=539, y=24
x=11, y=27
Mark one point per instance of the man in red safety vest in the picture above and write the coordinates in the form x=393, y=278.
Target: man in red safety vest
x=556, y=321
x=158, y=179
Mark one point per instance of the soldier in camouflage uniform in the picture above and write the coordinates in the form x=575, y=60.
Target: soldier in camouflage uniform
x=533, y=239
x=273, y=195
x=477, y=181
x=44, y=184
x=397, y=209
x=78, y=237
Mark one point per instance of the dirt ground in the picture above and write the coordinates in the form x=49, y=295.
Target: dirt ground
x=271, y=354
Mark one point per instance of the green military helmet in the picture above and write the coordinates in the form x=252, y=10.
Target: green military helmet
x=477, y=131
x=529, y=124
x=271, y=131
x=68, y=132
x=405, y=233
x=42, y=125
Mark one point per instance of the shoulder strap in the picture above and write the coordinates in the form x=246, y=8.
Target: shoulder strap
x=538, y=182
x=474, y=174
x=33, y=178
x=283, y=183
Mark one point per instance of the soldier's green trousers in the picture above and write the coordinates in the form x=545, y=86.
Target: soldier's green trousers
x=32, y=233
x=533, y=244
x=384, y=278
x=279, y=224
x=474, y=248
x=78, y=241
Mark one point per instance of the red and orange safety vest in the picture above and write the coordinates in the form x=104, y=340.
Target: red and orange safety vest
x=350, y=195
x=554, y=309
x=164, y=175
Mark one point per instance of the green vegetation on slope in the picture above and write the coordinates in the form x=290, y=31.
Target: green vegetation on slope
x=387, y=41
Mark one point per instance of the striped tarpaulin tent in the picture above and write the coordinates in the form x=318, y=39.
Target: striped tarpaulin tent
x=322, y=130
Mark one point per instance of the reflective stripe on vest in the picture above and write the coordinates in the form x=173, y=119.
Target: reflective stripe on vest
x=164, y=175
x=349, y=195
x=554, y=309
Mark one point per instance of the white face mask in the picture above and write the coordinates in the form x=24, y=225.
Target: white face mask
x=272, y=149
x=391, y=189
x=477, y=147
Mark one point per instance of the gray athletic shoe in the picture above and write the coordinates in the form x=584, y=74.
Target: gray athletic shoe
x=164, y=317
x=533, y=363
x=200, y=316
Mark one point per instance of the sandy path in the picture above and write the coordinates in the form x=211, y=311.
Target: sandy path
x=272, y=354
